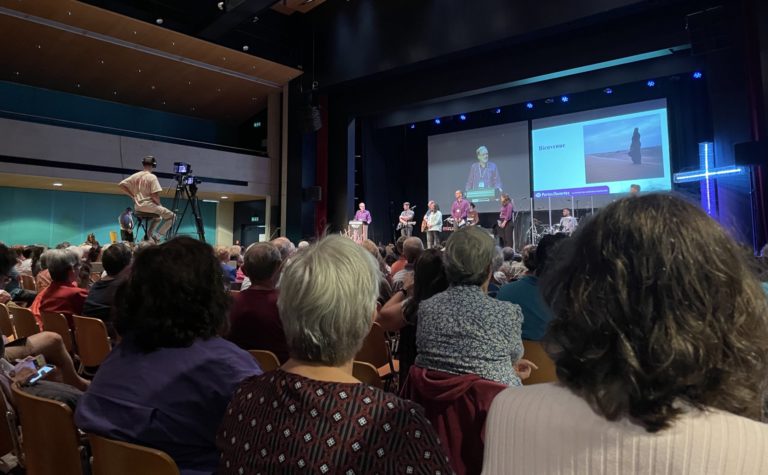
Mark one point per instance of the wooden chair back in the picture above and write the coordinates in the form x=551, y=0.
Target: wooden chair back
x=28, y=282
x=367, y=373
x=57, y=323
x=266, y=359
x=93, y=344
x=51, y=445
x=375, y=349
x=113, y=457
x=23, y=321
x=535, y=353
x=6, y=325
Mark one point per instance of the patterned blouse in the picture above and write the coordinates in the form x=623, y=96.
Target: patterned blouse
x=281, y=422
x=462, y=330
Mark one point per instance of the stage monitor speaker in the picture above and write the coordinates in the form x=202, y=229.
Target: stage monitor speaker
x=313, y=193
x=751, y=153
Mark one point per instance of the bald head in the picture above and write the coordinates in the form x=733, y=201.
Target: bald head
x=412, y=249
x=285, y=246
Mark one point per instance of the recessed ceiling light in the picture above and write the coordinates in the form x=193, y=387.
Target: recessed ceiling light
x=17, y=73
x=224, y=197
x=245, y=48
x=101, y=61
x=153, y=87
x=159, y=21
x=139, y=70
x=39, y=46
x=56, y=183
x=77, y=85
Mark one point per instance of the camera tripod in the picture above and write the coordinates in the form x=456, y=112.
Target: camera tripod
x=186, y=191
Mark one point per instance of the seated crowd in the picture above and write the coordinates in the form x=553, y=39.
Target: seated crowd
x=657, y=337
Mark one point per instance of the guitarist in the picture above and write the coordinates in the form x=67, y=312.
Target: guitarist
x=406, y=222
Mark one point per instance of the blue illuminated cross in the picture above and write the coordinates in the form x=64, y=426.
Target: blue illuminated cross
x=706, y=174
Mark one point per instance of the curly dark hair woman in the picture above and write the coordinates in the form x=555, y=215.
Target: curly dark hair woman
x=660, y=325
x=174, y=295
x=168, y=383
x=650, y=315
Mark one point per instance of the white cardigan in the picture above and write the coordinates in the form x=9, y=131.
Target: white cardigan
x=545, y=429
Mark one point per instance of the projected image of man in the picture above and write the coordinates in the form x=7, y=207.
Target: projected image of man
x=483, y=174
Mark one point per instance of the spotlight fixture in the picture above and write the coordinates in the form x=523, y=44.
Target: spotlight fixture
x=159, y=21
x=462, y=117
x=697, y=75
x=564, y=99
x=608, y=90
x=437, y=121
x=413, y=126
x=650, y=83
x=220, y=5
x=57, y=184
x=246, y=48
x=497, y=111
x=529, y=105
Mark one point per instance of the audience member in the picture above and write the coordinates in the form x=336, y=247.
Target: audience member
x=498, y=278
x=101, y=297
x=462, y=330
x=167, y=384
x=401, y=311
x=285, y=246
x=312, y=414
x=48, y=344
x=412, y=249
x=399, y=264
x=659, y=340
x=525, y=291
x=229, y=271
x=509, y=254
x=43, y=278
x=63, y=295
x=254, y=319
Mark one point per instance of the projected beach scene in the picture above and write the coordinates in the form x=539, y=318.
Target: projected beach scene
x=624, y=149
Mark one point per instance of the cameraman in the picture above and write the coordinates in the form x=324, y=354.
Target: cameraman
x=144, y=188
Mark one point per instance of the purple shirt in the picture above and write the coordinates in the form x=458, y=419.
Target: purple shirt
x=459, y=210
x=483, y=177
x=172, y=399
x=506, y=212
x=364, y=216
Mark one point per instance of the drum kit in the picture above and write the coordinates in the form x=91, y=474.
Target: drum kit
x=539, y=230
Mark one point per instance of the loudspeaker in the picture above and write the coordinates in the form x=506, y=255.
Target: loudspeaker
x=313, y=193
x=751, y=153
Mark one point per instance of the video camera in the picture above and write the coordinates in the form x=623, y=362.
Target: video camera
x=184, y=175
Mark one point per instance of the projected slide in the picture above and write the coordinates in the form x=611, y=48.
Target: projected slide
x=602, y=151
x=483, y=163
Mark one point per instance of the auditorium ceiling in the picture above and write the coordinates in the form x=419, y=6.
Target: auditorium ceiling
x=75, y=47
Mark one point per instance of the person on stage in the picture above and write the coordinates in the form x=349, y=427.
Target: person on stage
x=506, y=221
x=406, y=220
x=473, y=217
x=364, y=216
x=568, y=223
x=126, y=225
x=459, y=210
x=144, y=188
x=483, y=174
x=432, y=223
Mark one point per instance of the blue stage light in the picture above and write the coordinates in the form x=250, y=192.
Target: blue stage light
x=651, y=83
x=697, y=75
x=463, y=117
x=437, y=121
x=497, y=111
x=529, y=105
x=564, y=99
x=413, y=126
x=608, y=90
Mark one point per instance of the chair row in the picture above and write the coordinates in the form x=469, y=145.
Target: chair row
x=90, y=343
x=52, y=444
